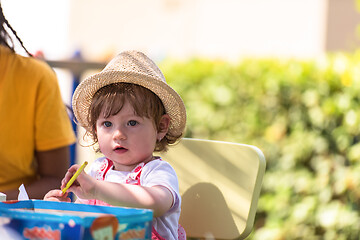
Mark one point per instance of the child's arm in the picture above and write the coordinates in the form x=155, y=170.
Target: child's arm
x=157, y=198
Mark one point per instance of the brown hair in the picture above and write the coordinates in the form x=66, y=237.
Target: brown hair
x=110, y=100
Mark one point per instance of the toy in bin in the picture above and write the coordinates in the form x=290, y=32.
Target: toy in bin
x=44, y=220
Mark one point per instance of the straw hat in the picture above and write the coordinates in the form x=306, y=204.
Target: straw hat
x=131, y=67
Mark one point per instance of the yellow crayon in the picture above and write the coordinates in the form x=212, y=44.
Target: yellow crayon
x=72, y=179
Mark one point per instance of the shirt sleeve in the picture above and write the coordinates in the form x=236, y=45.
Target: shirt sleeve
x=161, y=173
x=52, y=124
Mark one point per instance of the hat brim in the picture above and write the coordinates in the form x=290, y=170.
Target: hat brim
x=174, y=106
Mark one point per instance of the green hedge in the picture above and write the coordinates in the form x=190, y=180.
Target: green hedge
x=304, y=116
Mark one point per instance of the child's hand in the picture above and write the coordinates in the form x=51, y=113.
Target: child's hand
x=83, y=186
x=57, y=196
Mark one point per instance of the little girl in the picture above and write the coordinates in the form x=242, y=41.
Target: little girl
x=130, y=111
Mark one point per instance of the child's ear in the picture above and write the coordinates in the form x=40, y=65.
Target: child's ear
x=163, y=126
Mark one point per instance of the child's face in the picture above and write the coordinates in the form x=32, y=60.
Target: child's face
x=126, y=138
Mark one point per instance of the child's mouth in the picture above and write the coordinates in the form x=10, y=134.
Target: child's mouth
x=120, y=149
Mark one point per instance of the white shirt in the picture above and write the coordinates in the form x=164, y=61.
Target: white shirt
x=154, y=173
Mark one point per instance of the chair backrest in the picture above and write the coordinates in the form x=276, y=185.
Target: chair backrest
x=220, y=184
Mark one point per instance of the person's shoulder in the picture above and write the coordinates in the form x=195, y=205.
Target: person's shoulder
x=35, y=64
x=26, y=70
x=26, y=64
x=99, y=163
x=158, y=163
x=160, y=170
x=100, y=160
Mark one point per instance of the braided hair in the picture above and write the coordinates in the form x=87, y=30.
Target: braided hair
x=5, y=37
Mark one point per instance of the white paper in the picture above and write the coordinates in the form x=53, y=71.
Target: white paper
x=2, y=197
x=22, y=194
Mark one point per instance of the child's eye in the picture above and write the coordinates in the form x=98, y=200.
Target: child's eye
x=132, y=123
x=107, y=124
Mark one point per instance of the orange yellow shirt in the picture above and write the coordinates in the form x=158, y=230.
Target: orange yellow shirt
x=33, y=116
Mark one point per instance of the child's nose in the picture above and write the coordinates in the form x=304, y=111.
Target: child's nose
x=119, y=134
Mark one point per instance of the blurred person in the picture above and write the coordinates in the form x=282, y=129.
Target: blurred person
x=36, y=132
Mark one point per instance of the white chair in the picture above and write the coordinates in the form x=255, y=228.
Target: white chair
x=220, y=184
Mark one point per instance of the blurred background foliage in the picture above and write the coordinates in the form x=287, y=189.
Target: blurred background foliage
x=304, y=116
